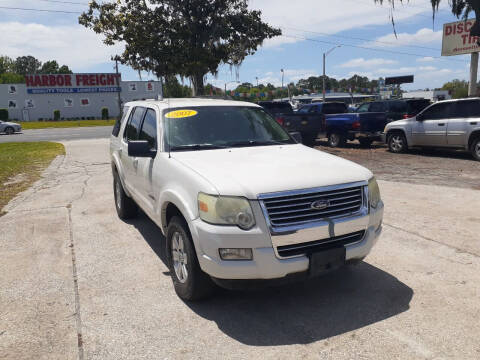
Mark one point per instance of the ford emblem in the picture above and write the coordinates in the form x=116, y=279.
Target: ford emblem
x=320, y=204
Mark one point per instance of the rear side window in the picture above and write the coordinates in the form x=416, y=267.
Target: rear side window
x=149, y=129
x=465, y=109
x=438, y=111
x=415, y=106
x=334, y=108
x=133, y=127
x=119, y=122
x=276, y=107
x=377, y=107
x=398, y=106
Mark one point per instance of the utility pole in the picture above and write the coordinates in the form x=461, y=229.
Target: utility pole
x=283, y=73
x=119, y=89
x=325, y=54
x=472, y=86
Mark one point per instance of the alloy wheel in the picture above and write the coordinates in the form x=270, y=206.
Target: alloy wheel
x=179, y=257
x=396, y=143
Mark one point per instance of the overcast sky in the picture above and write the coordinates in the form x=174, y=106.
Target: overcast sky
x=310, y=27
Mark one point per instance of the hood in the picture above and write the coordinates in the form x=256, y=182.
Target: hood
x=401, y=122
x=251, y=171
x=10, y=123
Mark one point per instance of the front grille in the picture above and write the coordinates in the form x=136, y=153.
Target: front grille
x=296, y=209
x=319, y=245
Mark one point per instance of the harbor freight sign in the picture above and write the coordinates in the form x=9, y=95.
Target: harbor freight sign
x=72, y=83
x=457, y=39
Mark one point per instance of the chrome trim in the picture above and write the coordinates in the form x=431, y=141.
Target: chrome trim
x=308, y=230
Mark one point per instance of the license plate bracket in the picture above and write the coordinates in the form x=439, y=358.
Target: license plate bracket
x=324, y=261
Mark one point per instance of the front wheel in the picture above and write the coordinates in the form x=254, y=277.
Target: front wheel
x=336, y=140
x=126, y=207
x=476, y=148
x=397, y=143
x=189, y=281
x=9, y=130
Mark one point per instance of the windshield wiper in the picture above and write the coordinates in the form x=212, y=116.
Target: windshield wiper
x=194, y=147
x=257, y=143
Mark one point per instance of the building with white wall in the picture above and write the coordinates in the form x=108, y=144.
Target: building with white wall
x=76, y=96
x=433, y=95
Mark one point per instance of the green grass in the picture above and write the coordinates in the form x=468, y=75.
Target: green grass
x=28, y=125
x=21, y=165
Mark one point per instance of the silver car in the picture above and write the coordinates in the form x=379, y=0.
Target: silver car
x=9, y=128
x=446, y=124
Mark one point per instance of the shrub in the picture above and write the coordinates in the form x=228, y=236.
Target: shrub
x=104, y=113
x=4, y=114
x=56, y=115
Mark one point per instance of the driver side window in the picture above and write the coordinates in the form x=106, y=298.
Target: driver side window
x=437, y=112
x=132, y=130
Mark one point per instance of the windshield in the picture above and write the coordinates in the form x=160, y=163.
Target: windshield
x=212, y=127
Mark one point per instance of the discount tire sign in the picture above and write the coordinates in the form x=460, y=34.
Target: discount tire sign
x=457, y=39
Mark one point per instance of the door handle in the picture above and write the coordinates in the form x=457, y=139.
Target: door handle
x=473, y=123
x=441, y=124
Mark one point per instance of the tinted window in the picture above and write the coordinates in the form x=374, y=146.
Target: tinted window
x=314, y=109
x=133, y=126
x=223, y=126
x=119, y=122
x=363, y=108
x=334, y=108
x=438, y=111
x=464, y=109
x=304, y=109
x=377, y=107
x=276, y=107
x=415, y=106
x=397, y=106
x=149, y=129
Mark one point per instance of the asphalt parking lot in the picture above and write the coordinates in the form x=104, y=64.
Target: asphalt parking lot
x=78, y=283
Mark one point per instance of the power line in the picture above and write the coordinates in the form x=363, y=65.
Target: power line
x=357, y=38
x=372, y=49
x=42, y=10
x=65, y=2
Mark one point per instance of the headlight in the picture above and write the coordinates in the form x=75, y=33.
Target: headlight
x=373, y=193
x=226, y=210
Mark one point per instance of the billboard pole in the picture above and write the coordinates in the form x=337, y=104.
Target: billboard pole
x=472, y=86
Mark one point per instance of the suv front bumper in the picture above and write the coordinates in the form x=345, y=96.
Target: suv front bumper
x=266, y=264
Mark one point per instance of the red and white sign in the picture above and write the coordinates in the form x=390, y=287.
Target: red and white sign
x=457, y=39
x=72, y=80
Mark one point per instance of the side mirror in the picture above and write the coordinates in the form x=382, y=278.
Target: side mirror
x=419, y=117
x=296, y=136
x=140, y=148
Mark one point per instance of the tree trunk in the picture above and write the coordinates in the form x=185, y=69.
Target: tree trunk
x=475, y=30
x=198, y=85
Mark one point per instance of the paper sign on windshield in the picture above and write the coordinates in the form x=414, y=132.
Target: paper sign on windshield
x=178, y=114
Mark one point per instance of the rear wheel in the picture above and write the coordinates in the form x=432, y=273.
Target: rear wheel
x=336, y=140
x=9, y=130
x=475, y=148
x=126, y=207
x=309, y=140
x=397, y=143
x=189, y=281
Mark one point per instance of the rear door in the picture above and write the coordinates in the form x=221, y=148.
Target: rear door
x=430, y=128
x=148, y=131
x=460, y=122
x=130, y=164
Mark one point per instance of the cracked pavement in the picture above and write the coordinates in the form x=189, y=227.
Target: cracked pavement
x=78, y=283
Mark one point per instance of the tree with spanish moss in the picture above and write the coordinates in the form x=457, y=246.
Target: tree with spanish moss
x=189, y=38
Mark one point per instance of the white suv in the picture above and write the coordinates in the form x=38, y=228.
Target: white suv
x=236, y=197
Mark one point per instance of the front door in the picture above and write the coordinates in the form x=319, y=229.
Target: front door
x=430, y=127
x=26, y=115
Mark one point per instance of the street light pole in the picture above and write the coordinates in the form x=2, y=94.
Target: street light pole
x=325, y=54
x=283, y=73
x=230, y=82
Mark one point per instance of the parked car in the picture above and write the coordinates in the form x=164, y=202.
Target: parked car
x=448, y=124
x=310, y=120
x=276, y=107
x=236, y=197
x=395, y=109
x=9, y=128
x=365, y=127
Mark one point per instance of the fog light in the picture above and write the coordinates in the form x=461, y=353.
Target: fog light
x=236, y=254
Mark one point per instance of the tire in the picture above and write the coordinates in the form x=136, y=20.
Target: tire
x=397, y=143
x=189, y=281
x=475, y=148
x=9, y=130
x=126, y=207
x=336, y=140
x=365, y=142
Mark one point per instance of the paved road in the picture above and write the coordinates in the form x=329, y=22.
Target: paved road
x=78, y=283
x=79, y=133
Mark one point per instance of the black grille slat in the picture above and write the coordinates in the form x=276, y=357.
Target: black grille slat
x=296, y=209
x=319, y=245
